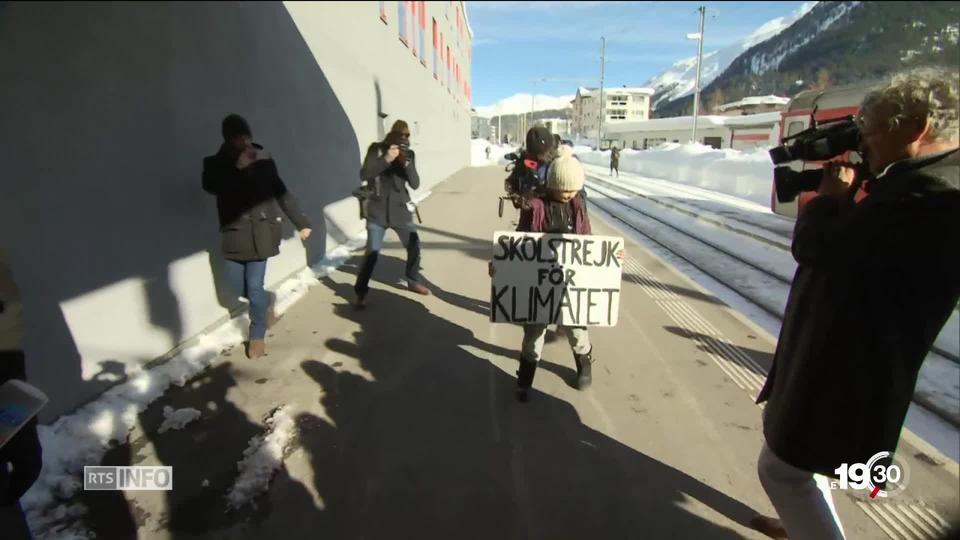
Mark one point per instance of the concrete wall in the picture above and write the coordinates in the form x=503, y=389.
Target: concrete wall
x=109, y=109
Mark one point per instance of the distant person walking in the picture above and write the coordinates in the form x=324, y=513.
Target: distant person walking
x=615, y=161
x=488, y=152
x=250, y=195
x=390, y=166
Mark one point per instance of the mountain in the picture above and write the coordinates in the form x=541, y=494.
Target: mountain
x=521, y=103
x=680, y=79
x=837, y=43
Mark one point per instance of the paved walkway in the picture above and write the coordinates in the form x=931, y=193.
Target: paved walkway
x=408, y=427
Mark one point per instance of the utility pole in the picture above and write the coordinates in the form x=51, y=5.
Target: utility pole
x=696, y=92
x=603, y=51
x=500, y=126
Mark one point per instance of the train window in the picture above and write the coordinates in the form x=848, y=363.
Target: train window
x=715, y=142
x=794, y=127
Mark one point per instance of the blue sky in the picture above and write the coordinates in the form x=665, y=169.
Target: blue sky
x=515, y=42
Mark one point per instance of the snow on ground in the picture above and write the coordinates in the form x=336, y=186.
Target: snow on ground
x=747, y=175
x=83, y=437
x=262, y=459
x=177, y=419
x=478, y=155
x=727, y=197
x=938, y=379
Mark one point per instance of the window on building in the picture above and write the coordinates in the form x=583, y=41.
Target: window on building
x=414, y=41
x=652, y=143
x=715, y=142
x=402, y=22
x=436, y=48
x=423, y=32
x=383, y=12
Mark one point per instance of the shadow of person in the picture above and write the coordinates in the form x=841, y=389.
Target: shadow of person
x=714, y=345
x=204, y=456
x=426, y=439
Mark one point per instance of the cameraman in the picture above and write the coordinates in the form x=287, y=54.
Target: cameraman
x=390, y=166
x=876, y=282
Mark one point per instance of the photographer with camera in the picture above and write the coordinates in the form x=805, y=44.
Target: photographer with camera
x=876, y=282
x=389, y=167
x=250, y=195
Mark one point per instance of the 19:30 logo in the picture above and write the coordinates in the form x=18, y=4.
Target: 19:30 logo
x=881, y=470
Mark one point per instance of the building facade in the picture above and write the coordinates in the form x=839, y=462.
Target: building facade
x=622, y=105
x=559, y=126
x=115, y=105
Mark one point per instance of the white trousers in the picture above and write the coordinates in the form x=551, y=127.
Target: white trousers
x=803, y=500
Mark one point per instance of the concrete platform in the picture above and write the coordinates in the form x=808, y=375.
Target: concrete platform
x=408, y=427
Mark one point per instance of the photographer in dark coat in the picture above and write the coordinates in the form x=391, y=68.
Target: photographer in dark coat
x=875, y=284
x=389, y=167
x=250, y=196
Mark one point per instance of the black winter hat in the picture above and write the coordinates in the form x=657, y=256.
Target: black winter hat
x=234, y=126
x=539, y=140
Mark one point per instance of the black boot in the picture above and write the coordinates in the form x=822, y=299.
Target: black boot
x=525, y=379
x=584, y=362
x=362, y=286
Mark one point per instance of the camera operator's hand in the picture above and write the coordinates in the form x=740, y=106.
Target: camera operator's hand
x=837, y=179
x=392, y=153
x=247, y=157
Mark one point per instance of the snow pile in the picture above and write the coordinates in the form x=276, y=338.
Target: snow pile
x=521, y=104
x=747, y=175
x=262, y=459
x=83, y=437
x=177, y=419
x=478, y=153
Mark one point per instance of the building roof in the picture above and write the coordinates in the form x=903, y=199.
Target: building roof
x=583, y=91
x=755, y=100
x=686, y=122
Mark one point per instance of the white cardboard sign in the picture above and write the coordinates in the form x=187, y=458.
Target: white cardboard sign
x=565, y=279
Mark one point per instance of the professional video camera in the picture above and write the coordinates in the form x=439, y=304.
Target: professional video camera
x=523, y=182
x=816, y=143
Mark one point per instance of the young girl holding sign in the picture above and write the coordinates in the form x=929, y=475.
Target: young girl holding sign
x=562, y=212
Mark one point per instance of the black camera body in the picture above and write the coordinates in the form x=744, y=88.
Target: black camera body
x=816, y=143
x=524, y=181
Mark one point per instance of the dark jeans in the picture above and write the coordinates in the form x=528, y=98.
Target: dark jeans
x=375, y=233
x=246, y=277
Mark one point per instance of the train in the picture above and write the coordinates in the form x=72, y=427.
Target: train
x=750, y=131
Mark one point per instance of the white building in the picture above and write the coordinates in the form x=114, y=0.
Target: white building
x=622, y=105
x=737, y=132
x=559, y=126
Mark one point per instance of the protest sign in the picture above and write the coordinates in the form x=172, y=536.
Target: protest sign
x=566, y=279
